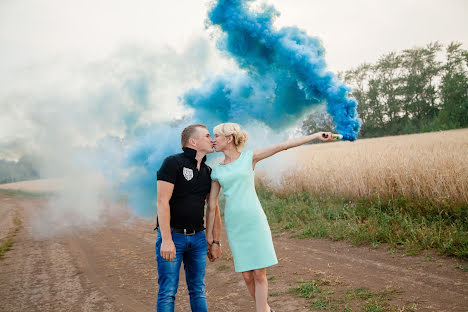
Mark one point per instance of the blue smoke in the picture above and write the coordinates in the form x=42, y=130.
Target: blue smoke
x=283, y=74
x=144, y=158
x=282, y=77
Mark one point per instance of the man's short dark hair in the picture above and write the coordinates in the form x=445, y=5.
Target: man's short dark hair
x=189, y=132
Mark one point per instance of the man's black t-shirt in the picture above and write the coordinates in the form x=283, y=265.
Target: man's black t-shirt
x=191, y=186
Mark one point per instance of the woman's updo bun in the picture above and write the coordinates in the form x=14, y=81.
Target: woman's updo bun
x=229, y=128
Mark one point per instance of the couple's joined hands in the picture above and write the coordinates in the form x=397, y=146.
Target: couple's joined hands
x=214, y=250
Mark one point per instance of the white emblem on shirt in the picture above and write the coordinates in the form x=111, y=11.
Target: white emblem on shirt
x=188, y=174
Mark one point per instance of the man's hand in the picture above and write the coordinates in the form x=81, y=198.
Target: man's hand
x=214, y=252
x=209, y=239
x=168, y=250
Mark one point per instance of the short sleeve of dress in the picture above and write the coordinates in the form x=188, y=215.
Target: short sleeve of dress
x=249, y=155
x=213, y=173
x=248, y=159
x=168, y=170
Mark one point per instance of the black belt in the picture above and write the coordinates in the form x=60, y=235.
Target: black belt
x=187, y=231
x=184, y=231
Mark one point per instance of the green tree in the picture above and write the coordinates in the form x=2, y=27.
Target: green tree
x=26, y=168
x=318, y=120
x=454, y=89
x=421, y=70
x=388, y=72
x=365, y=87
x=412, y=91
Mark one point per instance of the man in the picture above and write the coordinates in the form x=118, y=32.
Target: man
x=184, y=183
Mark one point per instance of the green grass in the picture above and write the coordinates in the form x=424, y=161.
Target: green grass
x=25, y=194
x=307, y=290
x=6, y=246
x=373, y=307
x=9, y=241
x=321, y=304
x=409, y=225
x=360, y=293
x=324, y=295
x=223, y=267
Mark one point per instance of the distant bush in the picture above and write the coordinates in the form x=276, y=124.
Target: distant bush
x=416, y=90
x=23, y=169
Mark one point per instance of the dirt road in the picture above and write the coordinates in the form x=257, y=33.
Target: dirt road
x=113, y=269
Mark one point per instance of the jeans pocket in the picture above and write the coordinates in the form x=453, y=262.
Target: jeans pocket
x=158, y=241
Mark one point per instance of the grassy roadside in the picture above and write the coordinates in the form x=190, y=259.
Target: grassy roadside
x=326, y=295
x=24, y=193
x=8, y=243
x=408, y=225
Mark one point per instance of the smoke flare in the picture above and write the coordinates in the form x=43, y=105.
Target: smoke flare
x=283, y=74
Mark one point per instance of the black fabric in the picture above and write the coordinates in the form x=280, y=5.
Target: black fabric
x=187, y=202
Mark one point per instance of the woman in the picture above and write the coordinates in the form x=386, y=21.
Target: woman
x=247, y=227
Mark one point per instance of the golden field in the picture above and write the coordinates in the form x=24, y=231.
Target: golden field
x=428, y=165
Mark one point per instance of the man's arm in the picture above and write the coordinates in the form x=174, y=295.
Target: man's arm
x=165, y=189
x=213, y=222
x=211, y=211
x=215, y=249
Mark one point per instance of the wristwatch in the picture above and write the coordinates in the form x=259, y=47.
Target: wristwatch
x=217, y=242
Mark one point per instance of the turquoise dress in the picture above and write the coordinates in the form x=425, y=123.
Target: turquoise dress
x=246, y=224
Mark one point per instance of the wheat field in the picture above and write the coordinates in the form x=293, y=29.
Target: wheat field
x=429, y=165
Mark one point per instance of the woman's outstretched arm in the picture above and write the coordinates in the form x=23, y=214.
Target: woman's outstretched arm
x=262, y=153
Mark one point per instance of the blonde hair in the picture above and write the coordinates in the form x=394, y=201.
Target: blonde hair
x=229, y=128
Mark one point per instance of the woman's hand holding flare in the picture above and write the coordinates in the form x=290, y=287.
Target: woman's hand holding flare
x=328, y=136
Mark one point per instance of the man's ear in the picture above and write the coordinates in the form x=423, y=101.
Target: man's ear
x=193, y=141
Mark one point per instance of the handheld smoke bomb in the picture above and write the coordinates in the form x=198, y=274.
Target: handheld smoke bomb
x=335, y=136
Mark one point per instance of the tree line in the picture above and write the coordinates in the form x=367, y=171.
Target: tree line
x=23, y=169
x=415, y=90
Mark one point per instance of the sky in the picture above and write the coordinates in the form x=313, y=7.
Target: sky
x=59, y=59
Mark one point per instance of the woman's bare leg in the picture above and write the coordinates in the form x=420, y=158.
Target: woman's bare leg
x=249, y=282
x=261, y=290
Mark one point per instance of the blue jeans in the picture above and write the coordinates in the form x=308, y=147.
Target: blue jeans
x=191, y=249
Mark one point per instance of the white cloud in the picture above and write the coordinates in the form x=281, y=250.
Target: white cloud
x=360, y=31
